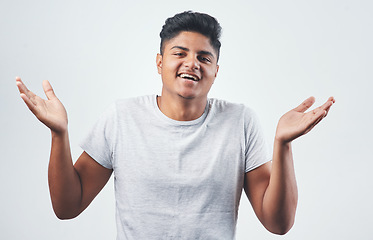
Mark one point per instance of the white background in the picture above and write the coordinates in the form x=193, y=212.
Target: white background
x=274, y=55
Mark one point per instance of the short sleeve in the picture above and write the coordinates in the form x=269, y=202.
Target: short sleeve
x=99, y=142
x=256, y=149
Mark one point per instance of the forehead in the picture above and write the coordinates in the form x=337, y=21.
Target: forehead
x=191, y=40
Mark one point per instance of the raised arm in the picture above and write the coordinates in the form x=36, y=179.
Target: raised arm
x=72, y=187
x=272, y=188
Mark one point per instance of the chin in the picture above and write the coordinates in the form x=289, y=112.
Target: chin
x=187, y=96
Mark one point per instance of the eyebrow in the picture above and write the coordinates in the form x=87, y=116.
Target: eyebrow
x=200, y=52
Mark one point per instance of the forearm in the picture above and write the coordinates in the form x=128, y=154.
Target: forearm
x=273, y=189
x=64, y=182
x=281, y=197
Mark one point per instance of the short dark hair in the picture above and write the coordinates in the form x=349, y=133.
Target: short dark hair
x=190, y=21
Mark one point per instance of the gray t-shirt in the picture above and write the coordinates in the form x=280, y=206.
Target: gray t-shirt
x=177, y=179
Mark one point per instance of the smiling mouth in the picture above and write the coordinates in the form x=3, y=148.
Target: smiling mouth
x=189, y=77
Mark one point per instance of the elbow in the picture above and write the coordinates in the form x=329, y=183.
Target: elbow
x=281, y=228
x=66, y=210
x=280, y=222
x=65, y=215
x=281, y=231
x=62, y=216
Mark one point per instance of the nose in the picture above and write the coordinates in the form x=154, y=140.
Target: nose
x=192, y=62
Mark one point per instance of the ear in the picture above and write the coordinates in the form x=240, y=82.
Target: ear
x=159, y=63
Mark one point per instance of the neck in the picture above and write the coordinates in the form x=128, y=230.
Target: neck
x=181, y=109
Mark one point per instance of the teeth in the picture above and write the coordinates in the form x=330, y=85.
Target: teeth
x=184, y=75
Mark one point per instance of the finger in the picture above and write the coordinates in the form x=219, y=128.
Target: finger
x=316, y=117
x=23, y=89
x=48, y=90
x=319, y=114
x=327, y=110
x=326, y=106
x=21, y=86
x=306, y=104
x=323, y=115
x=29, y=103
x=310, y=127
x=331, y=99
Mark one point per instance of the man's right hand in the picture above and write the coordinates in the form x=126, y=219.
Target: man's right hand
x=51, y=112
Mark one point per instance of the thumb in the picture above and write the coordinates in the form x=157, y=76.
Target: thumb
x=48, y=90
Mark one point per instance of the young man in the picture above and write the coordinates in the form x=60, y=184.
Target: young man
x=181, y=159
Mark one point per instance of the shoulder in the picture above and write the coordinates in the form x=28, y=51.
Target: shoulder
x=238, y=113
x=220, y=106
x=133, y=104
x=134, y=109
x=125, y=105
x=134, y=101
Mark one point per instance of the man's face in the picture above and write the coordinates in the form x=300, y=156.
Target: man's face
x=188, y=66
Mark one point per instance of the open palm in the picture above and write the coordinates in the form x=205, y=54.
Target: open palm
x=296, y=122
x=51, y=112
